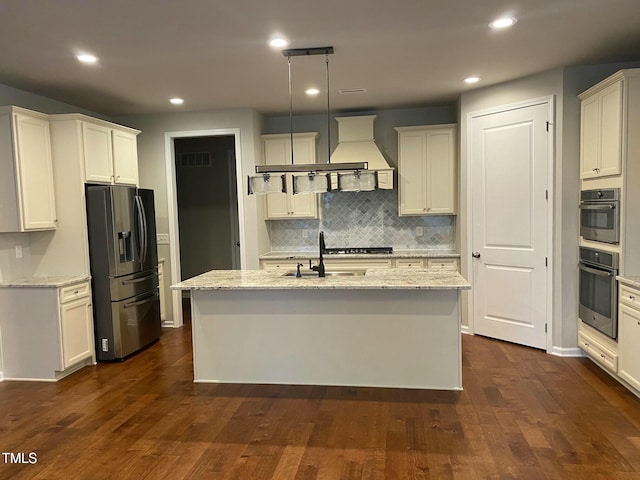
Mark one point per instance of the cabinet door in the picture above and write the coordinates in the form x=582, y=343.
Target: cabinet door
x=589, y=137
x=276, y=152
x=412, y=173
x=628, y=341
x=98, y=153
x=303, y=205
x=125, y=158
x=440, y=179
x=77, y=331
x=601, y=133
x=611, y=130
x=35, y=173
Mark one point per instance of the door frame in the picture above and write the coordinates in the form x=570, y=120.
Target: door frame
x=468, y=237
x=172, y=201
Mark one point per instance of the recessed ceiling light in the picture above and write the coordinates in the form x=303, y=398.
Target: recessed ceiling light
x=87, y=58
x=278, y=41
x=312, y=91
x=472, y=79
x=176, y=101
x=502, y=22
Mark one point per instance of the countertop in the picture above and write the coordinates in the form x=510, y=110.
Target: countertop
x=395, y=254
x=393, y=279
x=44, y=282
x=630, y=281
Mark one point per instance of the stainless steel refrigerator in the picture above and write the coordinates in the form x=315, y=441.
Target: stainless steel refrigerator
x=124, y=269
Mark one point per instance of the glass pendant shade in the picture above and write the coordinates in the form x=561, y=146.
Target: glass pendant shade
x=358, y=181
x=260, y=184
x=311, y=183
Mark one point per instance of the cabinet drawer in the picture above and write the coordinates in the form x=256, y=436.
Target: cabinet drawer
x=598, y=353
x=443, y=264
x=409, y=263
x=73, y=292
x=281, y=264
x=630, y=296
x=364, y=264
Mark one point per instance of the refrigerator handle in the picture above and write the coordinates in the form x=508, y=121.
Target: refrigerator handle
x=141, y=239
x=142, y=216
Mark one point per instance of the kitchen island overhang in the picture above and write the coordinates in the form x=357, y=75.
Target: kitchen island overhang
x=388, y=328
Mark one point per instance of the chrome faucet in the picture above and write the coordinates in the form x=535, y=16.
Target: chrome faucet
x=321, y=247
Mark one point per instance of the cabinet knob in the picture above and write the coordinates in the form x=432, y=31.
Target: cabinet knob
x=602, y=356
x=475, y=254
x=632, y=298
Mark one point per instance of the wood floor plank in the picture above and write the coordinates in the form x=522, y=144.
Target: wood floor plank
x=523, y=414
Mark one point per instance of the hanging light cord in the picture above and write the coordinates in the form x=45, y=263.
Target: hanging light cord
x=326, y=57
x=290, y=109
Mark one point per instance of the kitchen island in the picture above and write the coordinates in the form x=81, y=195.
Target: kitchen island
x=385, y=328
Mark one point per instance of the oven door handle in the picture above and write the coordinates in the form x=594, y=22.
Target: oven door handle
x=595, y=271
x=591, y=206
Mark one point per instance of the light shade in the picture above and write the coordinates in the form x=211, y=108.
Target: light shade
x=259, y=184
x=311, y=183
x=358, y=181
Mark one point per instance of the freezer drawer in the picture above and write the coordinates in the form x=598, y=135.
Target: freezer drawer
x=136, y=324
x=129, y=286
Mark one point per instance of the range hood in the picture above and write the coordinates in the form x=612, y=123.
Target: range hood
x=356, y=144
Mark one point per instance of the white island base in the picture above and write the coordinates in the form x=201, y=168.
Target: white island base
x=378, y=338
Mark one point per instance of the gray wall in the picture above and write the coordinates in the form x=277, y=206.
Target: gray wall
x=564, y=84
x=152, y=155
x=385, y=136
x=11, y=267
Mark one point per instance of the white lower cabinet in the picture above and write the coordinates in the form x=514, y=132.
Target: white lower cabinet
x=598, y=351
x=431, y=263
x=46, y=332
x=629, y=336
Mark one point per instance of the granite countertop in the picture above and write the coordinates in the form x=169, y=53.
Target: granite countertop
x=44, y=282
x=395, y=254
x=393, y=279
x=630, y=281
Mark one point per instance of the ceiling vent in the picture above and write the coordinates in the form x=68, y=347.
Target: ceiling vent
x=347, y=91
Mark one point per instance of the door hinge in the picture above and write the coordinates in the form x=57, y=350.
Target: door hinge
x=546, y=261
x=545, y=328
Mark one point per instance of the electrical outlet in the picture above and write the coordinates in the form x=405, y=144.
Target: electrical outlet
x=162, y=238
x=18, y=251
x=419, y=231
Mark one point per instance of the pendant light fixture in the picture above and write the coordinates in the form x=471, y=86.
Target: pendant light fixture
x=312, y=177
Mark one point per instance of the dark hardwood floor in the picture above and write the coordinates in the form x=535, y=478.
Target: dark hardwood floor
x=523, y=415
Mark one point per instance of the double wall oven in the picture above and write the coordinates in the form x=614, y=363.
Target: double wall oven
x=599, y=223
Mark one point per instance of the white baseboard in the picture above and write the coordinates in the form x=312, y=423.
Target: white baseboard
x=465, y=330
x=567, y=352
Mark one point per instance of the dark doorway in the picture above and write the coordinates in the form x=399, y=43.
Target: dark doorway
x=207, y=204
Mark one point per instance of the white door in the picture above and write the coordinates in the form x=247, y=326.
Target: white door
x=509, y=158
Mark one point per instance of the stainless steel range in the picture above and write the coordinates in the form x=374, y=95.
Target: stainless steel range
x=357, y=250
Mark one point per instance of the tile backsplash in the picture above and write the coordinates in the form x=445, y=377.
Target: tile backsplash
x=363, y=219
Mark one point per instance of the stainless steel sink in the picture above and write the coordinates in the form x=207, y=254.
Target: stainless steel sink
x=333, y=273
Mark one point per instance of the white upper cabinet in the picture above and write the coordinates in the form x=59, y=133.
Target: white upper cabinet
x=27, y=200
x=277, y=151
x=427, y=170
x=110, y=154
x=601, y=124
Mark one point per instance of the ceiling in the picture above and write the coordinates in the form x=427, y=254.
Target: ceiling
x=214, y=53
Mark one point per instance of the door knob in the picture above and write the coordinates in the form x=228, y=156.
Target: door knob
x=475, y=254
